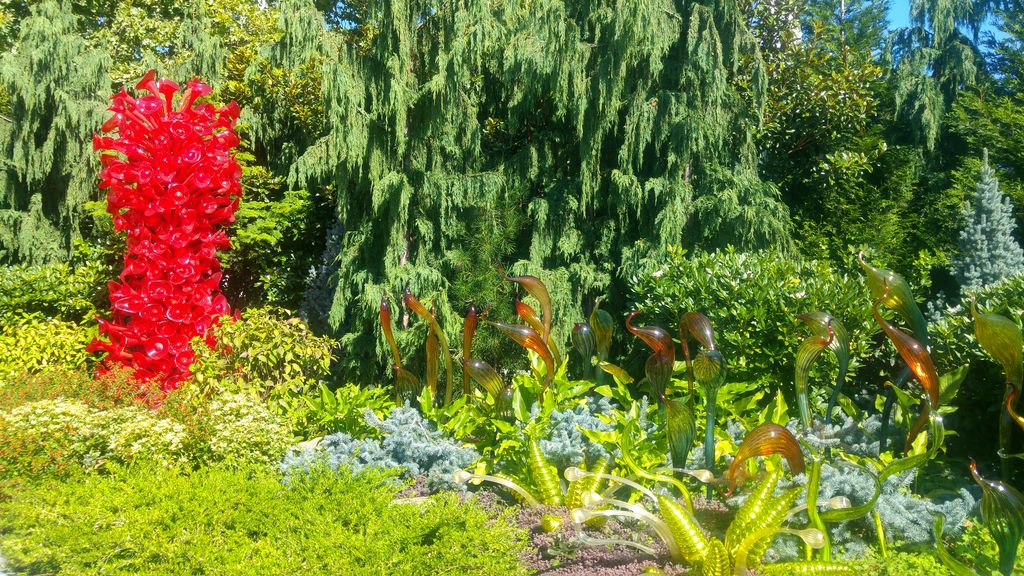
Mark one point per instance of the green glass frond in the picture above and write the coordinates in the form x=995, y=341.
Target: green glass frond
x=1002, y=511
x=806, y=569
x=545, y=476
x=717, y=561
x=693, y=544
x=752, y=509
x=1001, y=338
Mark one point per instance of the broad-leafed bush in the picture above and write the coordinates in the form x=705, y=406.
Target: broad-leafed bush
x=232, y=430
x=33, y=343
x=59, y=290
x=753, y=300
x=266, y=353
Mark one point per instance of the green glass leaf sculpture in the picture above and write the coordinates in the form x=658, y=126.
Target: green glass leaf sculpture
x=895, y=293
x=603, y=325
x=819, y=322
x=1002, y=511
x=682, y=431
x=385, y=324
x=1001, y=338
x=811, y=568
x=717, y=561
x=766, y=439
x=484, y=375
x=947, y=559
x=538, y=290
x=584, y=342
x=686, y=532
x=545, y=476
x=913, y=353
x=529, y=338
x=808, y=352
x=752, y=510
x=468, y=331
x=442, y=340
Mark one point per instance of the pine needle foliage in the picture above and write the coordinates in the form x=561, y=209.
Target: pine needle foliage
x=57, y=88
x=599, y=124
x=988, y=250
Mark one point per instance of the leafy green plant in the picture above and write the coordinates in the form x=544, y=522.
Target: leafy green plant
x=266, y=353
x=60, y=290
x=32, y=343
x=324, y=411
x=753, y=298
x=214, y=520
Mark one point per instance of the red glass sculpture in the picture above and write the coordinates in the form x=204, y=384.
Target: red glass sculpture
x=172, y=184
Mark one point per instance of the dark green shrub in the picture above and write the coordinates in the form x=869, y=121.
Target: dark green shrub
x=753, y=300
x=246, y=522
x=59, y=290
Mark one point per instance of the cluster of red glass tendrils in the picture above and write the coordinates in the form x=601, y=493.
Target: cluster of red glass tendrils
x=172, y=184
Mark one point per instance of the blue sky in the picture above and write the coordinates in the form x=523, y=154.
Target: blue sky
x=899, y=14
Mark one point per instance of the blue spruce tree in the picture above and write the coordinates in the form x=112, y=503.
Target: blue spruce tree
x=988, y=250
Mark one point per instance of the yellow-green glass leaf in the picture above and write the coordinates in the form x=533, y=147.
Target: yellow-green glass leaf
x=1002, y=511
x=752, y=509
x=898, y=297
x=811, y=568
x=545, y=477
x=716, y=561
x=693, y=544
x=1001, y=338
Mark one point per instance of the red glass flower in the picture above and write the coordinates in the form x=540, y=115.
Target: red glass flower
x=172, y=184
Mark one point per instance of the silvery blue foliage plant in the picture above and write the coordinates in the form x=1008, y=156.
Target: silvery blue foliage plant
x=408, y=442
x=564, y=444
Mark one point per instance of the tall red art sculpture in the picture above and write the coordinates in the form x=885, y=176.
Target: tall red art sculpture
x=172, y=184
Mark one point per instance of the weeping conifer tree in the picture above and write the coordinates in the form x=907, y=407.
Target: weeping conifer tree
x=605, y=129
x=57, y=89
x=936, y=57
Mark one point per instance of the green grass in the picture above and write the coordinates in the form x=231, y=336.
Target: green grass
x=241, y=522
